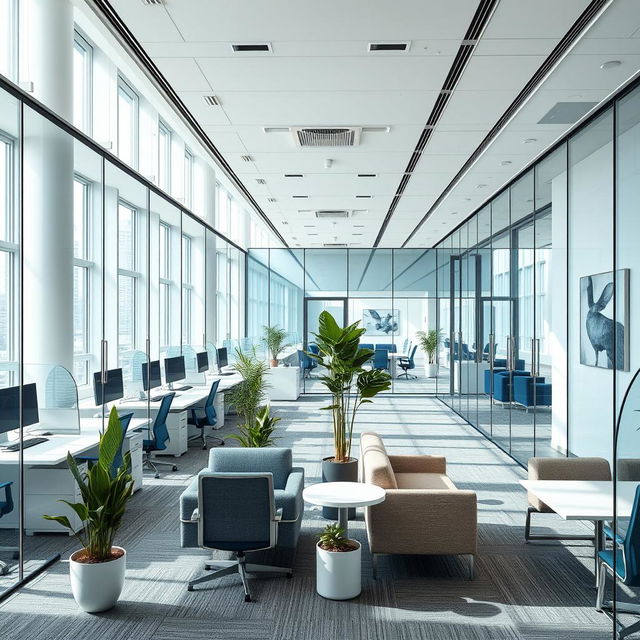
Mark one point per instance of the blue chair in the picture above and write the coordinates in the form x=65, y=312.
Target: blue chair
x=406, y=364
x=627, y=566
x=502, y=383
x=6, y=507
x=314, y=348
x=389, y=346
x=307, y=365
x=125, y=419
x=380, y=359
x=236, y=512
x=367, y=345
x=209, y=419
x=160, y=437
x=288, y=483
x=488, y=378
x=531, y=391
x=501, y=363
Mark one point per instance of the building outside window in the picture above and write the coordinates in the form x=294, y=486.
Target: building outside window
x=82, y=266
x=164, y=156
x=128, y=105
x=82, y=83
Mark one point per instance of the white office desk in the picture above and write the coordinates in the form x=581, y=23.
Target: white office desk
x=54, y=451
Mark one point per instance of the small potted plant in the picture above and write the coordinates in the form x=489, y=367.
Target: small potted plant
x=338, y=564
x=429, y=343
x=350, y=386
x=274, y=339
x=97, y=570
x=259, y=434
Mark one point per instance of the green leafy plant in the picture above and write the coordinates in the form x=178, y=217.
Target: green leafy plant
x=429, y=343
x=247, y=396
x=349, y=384
x=332, y=539
x=274, y=339
x=259, y=433
x=104, y=497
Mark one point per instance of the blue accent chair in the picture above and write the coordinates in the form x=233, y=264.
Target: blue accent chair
x=380, y=359
x=209, y=419
x=406, y=364
x=6, y=507
x=488, y=387
x=502, y=363
x=314, y=348
x=502, y=391
x=307, y=365
x=117, y=461
x=530, y=391
x=159, y=437
x=288, y=483
x=389, y=346
x=627, y=566
x=367, y=345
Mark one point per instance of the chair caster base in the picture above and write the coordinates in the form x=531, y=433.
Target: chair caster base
x=204, y=447
x=156, y=475
x=189, y=588
x=247, y=598
x=174, y=468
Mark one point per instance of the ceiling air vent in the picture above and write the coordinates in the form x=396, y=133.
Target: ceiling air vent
x=326, y=136
x=212, y=101
x=388, y=46
x=153, y=3
x=335, y=245
x=252, y=47
x=246, y=158
x=332, y=213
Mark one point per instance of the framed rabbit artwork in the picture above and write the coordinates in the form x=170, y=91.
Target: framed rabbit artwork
x=604, y=341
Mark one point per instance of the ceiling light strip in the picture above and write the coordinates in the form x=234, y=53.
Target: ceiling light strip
x=480, y=20
x=560, y=50
x=119, y=29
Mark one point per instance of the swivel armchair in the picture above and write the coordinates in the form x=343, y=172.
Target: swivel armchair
x=159, y=438
x=406, y=364
x=209, y=419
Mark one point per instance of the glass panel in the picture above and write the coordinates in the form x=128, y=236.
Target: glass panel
x=127, y=123
x=193, y=282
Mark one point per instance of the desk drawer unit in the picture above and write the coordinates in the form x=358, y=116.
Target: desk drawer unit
x=133, y=444
x=177, y=427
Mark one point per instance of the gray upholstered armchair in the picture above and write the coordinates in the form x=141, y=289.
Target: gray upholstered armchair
x=288, y=483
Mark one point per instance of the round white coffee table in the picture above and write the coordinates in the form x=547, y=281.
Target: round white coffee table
x=343, y=496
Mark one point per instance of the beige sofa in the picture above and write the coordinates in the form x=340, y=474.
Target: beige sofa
x=423, y=512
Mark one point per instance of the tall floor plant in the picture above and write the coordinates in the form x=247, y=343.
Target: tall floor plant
x=348, y=382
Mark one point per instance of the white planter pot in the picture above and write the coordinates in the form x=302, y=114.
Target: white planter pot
x=97, y=587
x=431, y=370
x=338, y=573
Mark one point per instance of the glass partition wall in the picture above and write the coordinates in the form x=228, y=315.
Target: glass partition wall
x=99, y=270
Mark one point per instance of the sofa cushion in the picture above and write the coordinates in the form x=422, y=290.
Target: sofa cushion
x=377, y=468
x=424, y=481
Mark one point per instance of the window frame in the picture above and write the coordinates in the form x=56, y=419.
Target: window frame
x=164, y=131
x=131, y=273
x=188, y=177
x=165, y=285
x=126, y=88
x=81, y=42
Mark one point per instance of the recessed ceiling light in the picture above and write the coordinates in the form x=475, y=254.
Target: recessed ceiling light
x=367, y=175
x=388, y=46
x=212, y=101
x=252, y=47
x=530, y=140
x=246, y=158
x=261, y=181
x=610, y=64
x=506, y=163
x=293, y=175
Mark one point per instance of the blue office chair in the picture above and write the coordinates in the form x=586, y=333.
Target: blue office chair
x=6, y=507
x=627, y=560
x=236, y=512
x=406, y=364
x=117, y=461
x=314, y=348
x=307, y=365
x=380, y=359
x=209, y=419
x=405, y=345
x=160, y=436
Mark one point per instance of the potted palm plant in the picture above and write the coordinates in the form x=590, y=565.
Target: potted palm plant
x=430, y=343
x=338, y=564
x=258, y=434
x=350, y=386
x=97, y=570
x=274, y=339
x=248, y=396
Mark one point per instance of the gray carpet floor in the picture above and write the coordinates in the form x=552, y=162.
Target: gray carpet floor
x=520, y=592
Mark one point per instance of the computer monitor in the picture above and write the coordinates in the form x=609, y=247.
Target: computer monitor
x=112, y=389
x=174, y=369
x=151, y=375
x=203, y=361
x=223, y=360
x=10, y=407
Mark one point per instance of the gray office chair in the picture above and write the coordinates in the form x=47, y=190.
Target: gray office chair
x=236, y=512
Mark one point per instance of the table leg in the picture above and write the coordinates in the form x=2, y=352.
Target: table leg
x=343, y=519
x=598, y=544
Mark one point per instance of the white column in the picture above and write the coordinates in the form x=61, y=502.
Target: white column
x=48, y=187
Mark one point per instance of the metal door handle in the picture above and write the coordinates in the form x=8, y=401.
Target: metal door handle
x=492, y=346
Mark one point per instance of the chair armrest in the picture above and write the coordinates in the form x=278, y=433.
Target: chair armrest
x=424, y=521
x=278, y=515
x=289, y=499
x=189, y=501
x=418, y=464
x=616, y=537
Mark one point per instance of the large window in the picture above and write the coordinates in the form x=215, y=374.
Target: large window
x=187, y=288
x=127, y=123
x=128, y=277
x=82, y=83
x=188, y=178
x=164, y=157
x=8, y=263
x=82, y=265
x=165, y=284
x=222, y=209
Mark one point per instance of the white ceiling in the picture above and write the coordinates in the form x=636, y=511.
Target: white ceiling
x=320, y=73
